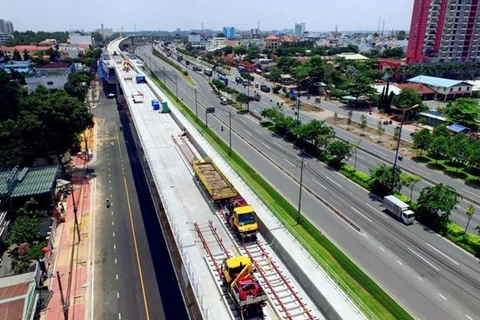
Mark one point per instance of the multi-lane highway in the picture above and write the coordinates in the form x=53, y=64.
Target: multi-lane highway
x=428, y=275
x=368, y=155
x=132, y=274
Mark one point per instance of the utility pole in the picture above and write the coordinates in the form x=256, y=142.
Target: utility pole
x=75, y=210
x=196, y=105
x=62, y=297
x=176, y=86
x=299, y=214
x=206, y=117
x=230, y=129
x=248, y=95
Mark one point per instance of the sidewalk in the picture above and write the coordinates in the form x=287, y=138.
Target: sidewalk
x=70, y=256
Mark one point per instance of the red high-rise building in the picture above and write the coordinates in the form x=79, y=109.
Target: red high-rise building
x=444, y=31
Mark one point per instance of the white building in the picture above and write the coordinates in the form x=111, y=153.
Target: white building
x=194, y=38
x=5, y=37
x=445, y=89
x=6, y=26
x=76, y=38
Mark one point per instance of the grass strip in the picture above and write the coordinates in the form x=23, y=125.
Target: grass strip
x=171, y=63
x=374, y=302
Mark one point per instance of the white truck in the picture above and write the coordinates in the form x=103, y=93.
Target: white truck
x=399, y=209
x=137, y=97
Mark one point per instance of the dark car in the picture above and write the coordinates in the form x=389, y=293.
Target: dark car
x=265, y=88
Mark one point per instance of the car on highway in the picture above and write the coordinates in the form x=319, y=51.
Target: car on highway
x=111, y=95
x=265, y=88
x=223, y=101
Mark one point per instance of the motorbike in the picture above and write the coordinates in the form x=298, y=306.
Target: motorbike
x=108, y=204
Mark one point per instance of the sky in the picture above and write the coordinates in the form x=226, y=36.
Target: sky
x=318, y=15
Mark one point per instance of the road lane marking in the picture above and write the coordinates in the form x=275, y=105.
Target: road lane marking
x=118, y=295
x=361, y=214
x=424, y=172
x=116, y=261
x=400, y=263
x=248, y=133
x=426, y=261
x=442, y=296
x=419, y=278
x=382, y=249
x=113, y=223
x=116, y=276
x=473, y=194
x=119, y=316
x=266, y=145
x=374, y=208
x=258, y=131
x=114, y=247
x=321, y=185
x=278, y=144
x=364, y=235
x=360, y=157
x=114, y=234
x=380, y=151
x=135, y=245
x=110, y=181
x=289, y=162
x=468, y=317
x=331, y=180
x=443, y=254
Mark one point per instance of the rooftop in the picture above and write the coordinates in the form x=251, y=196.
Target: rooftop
x=56, y=65
x=351, y=56
x=17, y=296
x=28, y=181
x=420, y=88
x=436, y=82
x=272, y=37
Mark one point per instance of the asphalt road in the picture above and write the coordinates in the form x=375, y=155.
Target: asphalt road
x=428, y=275
x=133, y=275
x=363, y=161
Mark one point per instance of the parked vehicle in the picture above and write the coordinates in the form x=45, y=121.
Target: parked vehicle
x=223, y=101
x=137, y=97
x=399, y=209
x=197, y=68
x=257, y=97
x=265, y=88
x=208, y=72
x=223, y=79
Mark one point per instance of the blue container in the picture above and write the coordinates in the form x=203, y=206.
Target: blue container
x=155, y=104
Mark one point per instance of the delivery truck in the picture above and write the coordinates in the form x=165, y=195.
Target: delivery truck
x=399, y=209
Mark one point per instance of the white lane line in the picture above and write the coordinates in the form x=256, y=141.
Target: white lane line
x=321, y=185
x=112, y=213
x=266, y=145
x=443, y=254
x=118, y=295
x=419, y=278
x=108, y=169
x=119, y=316
x=331, y=180
x=116, y=261
x=361, y=214
x=114, y=234
x=473, y=194
x=114, y=247
x=364, y=235
x=113, y=223
x=116, y=276
x=289, y=162
x=380, y=151
x=110, y=188
x=382, y=249
x=109, y=175
x=400, y=263
x=360, y=157
x=374, y=208
x=468, y=317
x=248, y=132
x=110, y=181
x=278, y=144
x=442, y=296
x=426, y=261
x=258, y=131
x=424, y=172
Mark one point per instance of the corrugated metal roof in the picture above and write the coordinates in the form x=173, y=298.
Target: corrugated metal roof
x=457, y=128
x=436, y=82
x=29, y=181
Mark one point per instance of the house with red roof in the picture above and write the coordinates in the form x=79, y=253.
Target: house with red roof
x=18, y=298
x=424, y=92
x=32, y=50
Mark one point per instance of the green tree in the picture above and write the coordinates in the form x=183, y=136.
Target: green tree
x=242, y=98
x=474, y=155
x=274, y=74
x=77, y=85
x=25, y=229
x=422, y=139
x=52, y=122
x=409, y=181
x=220, y=35
x=315, y=131
x=401, y=35
x=382, y=181
x=396, y=133
x=469, y=212
x=438, y=147
x=10, y=95
x=247, y=76
x=271, y=113
x=396, y=53
x=441, y=130
x=16, y=55
x=26, y=56
x=458, y=149
x=340, y=150
x=13, y=151
x=407, y=98
x=32, y=208
x=361, y=86
x=380, y=130
x=436, y=199
x=363, y=122
x=464, y=111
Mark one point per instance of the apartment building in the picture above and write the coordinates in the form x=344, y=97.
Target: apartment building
x=6, y=26
x=444, y=31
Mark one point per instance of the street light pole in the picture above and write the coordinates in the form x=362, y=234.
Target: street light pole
x=230, y=129
x=300, y=191
x=404, y=111
x=176, y=86
x=62, y=297
x=248, y=95
x=196, y=105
